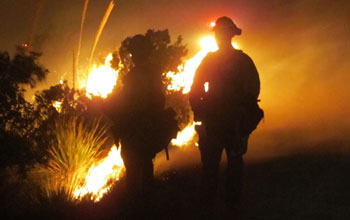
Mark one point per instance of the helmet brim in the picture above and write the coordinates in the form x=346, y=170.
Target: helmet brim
x=235, y=30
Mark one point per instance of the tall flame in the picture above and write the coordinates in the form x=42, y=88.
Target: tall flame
x=184, y=78
x=102, y=79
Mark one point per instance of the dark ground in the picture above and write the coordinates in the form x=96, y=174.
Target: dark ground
x=299, y=186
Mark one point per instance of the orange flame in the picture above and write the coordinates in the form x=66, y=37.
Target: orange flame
x=101, y=79
x=186, y=135
x=101, y=176
x=184, y=78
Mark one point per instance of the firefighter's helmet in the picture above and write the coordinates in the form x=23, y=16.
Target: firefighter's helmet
x=225, y=23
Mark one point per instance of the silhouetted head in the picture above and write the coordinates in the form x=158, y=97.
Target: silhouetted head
x=140, y=48
x=224, y=30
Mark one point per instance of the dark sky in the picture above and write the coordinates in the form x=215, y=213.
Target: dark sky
x=301, y=48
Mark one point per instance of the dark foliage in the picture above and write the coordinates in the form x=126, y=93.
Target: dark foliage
x=165, y=55
x=71, y=103
x=17, y=115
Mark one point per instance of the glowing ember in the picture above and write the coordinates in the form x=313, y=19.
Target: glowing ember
x=206, y=86
x=212, y=24
x=57, y=105
x=102, y=79
x=101, y=176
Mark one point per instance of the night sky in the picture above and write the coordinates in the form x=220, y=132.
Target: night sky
x=301, y=48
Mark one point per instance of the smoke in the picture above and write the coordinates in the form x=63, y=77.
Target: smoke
x=302, y=58
x=301, y=49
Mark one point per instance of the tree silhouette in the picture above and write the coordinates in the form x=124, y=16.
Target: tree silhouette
x=17, y=115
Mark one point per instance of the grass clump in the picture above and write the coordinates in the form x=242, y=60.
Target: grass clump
x=77, y=146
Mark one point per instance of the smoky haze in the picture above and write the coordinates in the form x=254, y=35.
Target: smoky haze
x=301, y=49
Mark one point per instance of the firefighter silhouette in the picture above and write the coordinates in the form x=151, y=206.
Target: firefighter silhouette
x=224, y=98
x=140, y=121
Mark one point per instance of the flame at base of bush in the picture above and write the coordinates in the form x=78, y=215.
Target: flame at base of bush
x=102, y=176
x=186, y=135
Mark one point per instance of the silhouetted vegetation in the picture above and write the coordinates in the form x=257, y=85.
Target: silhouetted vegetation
x=41, y=141
x=18, y=118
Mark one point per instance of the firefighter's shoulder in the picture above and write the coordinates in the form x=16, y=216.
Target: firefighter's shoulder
x=210, y=58
x=206, y=63
x=243, y=57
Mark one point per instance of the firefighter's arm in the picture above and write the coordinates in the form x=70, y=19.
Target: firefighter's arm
x=252, y=80
x=197, y=89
